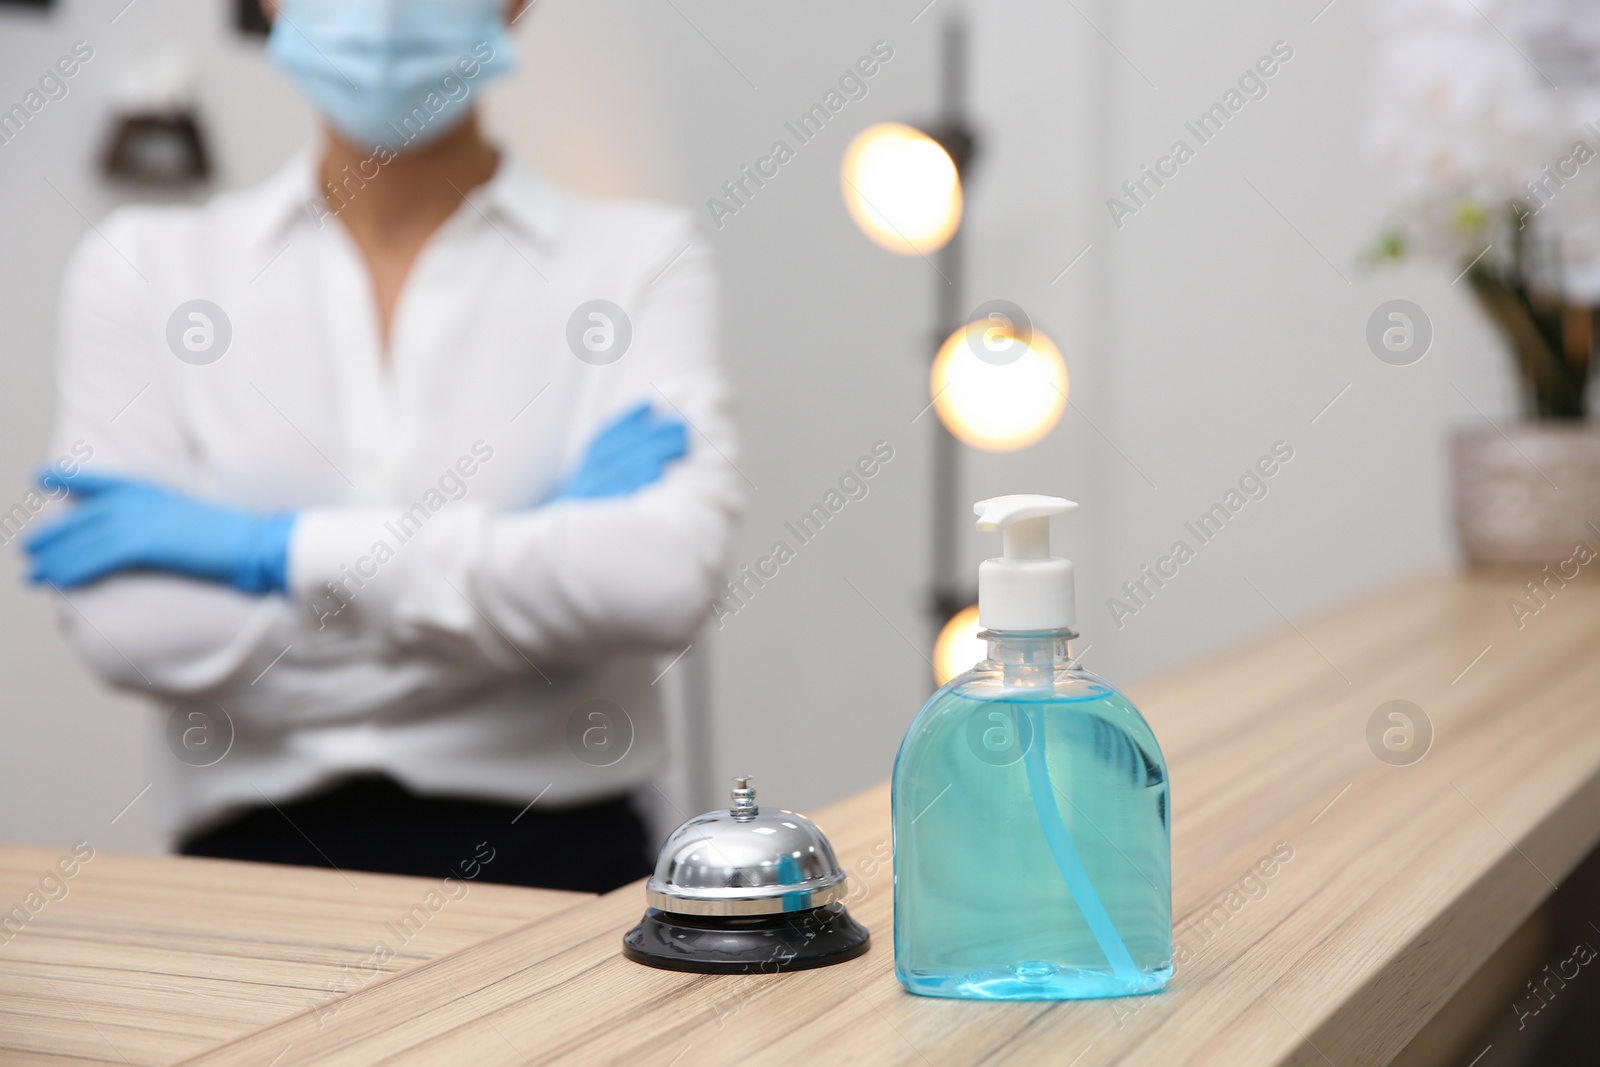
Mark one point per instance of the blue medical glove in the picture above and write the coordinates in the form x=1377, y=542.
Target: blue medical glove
x=120, y=525
x=629, y=454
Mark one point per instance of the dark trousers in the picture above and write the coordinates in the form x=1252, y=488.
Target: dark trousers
x=373, y=823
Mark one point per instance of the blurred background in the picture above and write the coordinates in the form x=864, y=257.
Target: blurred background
x=1227, y=314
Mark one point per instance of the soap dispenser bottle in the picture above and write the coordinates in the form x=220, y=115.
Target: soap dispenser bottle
x=1032, y=854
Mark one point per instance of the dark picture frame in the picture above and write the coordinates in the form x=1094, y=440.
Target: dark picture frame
x=247, y=18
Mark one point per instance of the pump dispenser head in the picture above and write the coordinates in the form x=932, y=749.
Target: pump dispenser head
x=1025, y=588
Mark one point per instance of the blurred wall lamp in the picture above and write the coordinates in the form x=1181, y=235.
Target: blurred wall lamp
x=997, y=383
x=156, y=137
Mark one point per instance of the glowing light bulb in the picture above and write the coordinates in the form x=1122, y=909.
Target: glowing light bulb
x=996, y=391
x=902, y=188
x=958, y=646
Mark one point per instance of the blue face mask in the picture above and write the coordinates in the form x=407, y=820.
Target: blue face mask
x=400, y=73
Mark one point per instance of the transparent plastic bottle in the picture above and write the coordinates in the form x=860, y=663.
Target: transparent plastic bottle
x=1032, y=855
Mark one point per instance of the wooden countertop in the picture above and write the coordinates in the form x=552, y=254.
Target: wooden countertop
x=151, y=959
x=1390, y=884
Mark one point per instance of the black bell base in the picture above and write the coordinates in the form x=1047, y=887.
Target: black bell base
x=746, y=944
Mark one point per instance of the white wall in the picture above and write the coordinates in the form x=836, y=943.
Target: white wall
x=1198, y=334
x=1238, y=311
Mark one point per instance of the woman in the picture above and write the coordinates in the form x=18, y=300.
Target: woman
x=405, y=463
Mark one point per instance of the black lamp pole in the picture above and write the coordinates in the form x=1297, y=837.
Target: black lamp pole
x=948, y=594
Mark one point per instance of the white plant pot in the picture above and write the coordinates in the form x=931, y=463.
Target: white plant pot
x=1526, y=494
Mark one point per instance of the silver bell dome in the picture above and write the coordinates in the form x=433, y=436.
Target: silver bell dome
x=743, y=861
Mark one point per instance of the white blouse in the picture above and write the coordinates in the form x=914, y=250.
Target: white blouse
x=440, y=626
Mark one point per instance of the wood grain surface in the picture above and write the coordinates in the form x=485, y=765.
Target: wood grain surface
x=148, y=959
x=1327, y=902
x=1388, y=885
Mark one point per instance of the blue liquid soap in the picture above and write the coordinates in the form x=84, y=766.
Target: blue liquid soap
x=1032, y=854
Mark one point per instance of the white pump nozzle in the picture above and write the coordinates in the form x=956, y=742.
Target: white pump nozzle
x=1026, y=588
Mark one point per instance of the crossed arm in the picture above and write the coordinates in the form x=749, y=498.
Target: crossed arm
x=171, y=594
